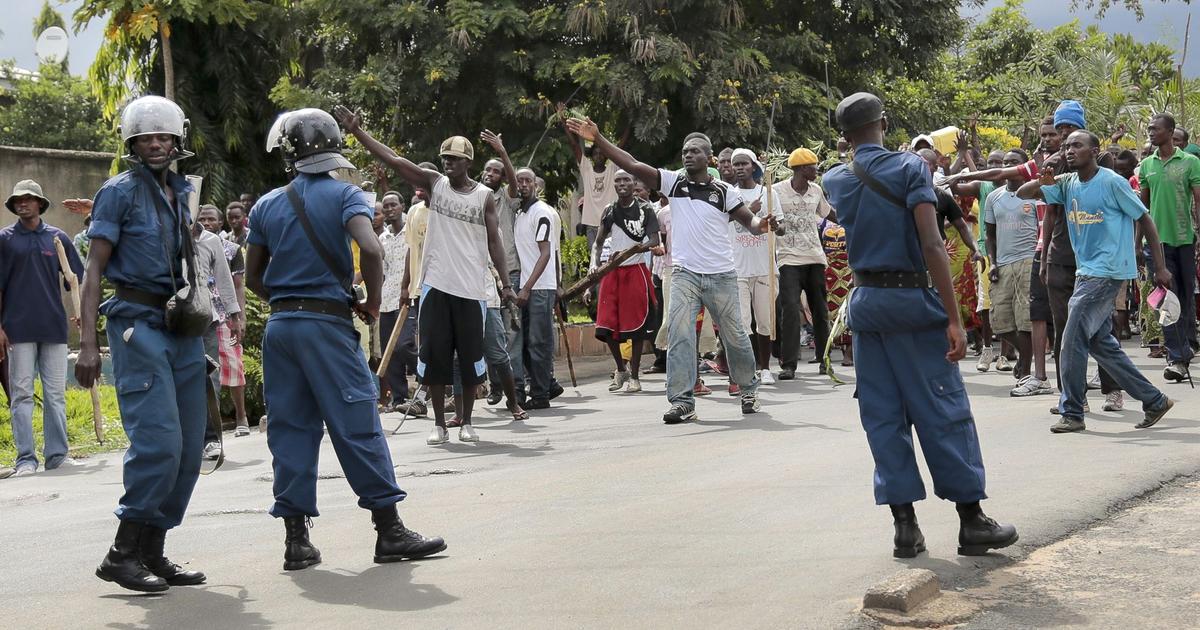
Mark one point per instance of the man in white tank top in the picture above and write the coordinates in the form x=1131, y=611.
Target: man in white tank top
x=463, y=233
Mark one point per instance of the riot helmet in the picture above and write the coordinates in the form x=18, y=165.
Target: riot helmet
x=154, y=115
x=311, y=141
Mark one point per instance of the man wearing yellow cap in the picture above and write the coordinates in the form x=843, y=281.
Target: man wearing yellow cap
x=801, y=258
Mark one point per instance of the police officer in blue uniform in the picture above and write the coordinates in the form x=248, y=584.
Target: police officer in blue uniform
x=138, y=230
x=907, y=335
x=314, y=370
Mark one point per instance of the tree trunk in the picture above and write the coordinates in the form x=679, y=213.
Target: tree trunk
x=168, y=61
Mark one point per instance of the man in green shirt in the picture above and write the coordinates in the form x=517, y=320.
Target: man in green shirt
x=1170, y=182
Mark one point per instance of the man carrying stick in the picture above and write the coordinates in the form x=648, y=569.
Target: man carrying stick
x=626, y=292
x=701, y=206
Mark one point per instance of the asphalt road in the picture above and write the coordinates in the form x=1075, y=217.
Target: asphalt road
x=591, y=515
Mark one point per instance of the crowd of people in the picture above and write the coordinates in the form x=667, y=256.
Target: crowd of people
x=891, y=257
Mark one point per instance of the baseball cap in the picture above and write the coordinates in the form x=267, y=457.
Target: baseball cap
x=457, y=146
x=858, y=110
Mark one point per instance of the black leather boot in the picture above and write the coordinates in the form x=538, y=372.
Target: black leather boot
x=396, y=542
x=298, y=552
x=909, y=540
x=123, y=566
x=977, y=533
x=150, y=552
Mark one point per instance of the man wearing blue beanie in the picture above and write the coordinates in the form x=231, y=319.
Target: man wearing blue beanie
x=1070, y=113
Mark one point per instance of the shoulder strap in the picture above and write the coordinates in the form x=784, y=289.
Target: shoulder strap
x=874, y=185
x=187, y=250
x=302, y=216
x=880, y=190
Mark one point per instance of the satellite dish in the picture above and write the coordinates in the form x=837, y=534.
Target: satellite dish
x=52, y=45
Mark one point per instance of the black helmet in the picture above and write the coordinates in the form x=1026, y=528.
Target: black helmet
x=311, y=141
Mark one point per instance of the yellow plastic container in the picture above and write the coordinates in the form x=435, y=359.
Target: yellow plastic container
x=944, y=139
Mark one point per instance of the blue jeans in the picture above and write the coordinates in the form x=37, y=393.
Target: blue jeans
x=718, y=294
x=50, y=361
x=537, y=322
x=1089, y=329
x=514, y=342
x=494, y=351
x=1178, y=337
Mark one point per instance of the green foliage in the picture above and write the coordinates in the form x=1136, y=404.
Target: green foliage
x=650, y=71
x=81, y=434
x=56, y=111
x=227, y=54
x=575, y=259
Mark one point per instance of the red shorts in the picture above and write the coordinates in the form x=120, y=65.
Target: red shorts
x=625, y=297
x=232, y=374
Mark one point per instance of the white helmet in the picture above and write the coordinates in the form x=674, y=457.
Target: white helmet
x=154, y=115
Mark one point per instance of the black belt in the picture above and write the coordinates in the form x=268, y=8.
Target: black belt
x=138, y=296
x=893, y=279
x=312, y=305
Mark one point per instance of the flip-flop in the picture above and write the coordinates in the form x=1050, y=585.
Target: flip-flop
x=519, y=415
x=454, y=422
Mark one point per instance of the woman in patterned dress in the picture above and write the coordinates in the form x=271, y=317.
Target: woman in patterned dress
x=838, y=281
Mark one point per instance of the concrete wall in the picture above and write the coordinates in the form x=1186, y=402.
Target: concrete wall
x=62, y=174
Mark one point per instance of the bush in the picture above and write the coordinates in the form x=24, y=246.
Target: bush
x=80, y=432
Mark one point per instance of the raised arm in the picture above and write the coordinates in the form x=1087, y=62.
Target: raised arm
x=510, y=174
x=586, y=129
x=415, y=175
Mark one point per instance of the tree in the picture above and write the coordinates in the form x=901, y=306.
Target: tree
x=55, y=111
x=650, y=71
x=218, y=59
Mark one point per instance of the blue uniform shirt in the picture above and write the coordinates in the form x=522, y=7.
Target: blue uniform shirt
x=881, y=236
x=125, y=214
x=295, y=270
x=29, y=281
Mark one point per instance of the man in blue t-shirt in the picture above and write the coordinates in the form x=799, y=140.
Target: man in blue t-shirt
x=1100, y=211
x=33, y=324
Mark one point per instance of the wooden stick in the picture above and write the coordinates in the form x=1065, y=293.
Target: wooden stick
x=594, y=277
x=562, y=333
x=64, y=265
x=768, y=180
x=392, y=340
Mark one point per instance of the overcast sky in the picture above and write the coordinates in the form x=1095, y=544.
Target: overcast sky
x=1164, y=22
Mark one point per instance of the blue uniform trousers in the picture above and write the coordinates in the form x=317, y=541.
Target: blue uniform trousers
x=313, y=371
x=904, y=381
x=160, y=391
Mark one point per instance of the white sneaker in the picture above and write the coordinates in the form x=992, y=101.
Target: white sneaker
x=765, y=377
x=619, y=380
x=467, y=434
x=1094, y=381
x=1031, y=386
x=438, y=435
x=1114, y=401
x=986, y=357
x=25, y=471
x=1002, y=364
x=634, y=386
x=212, y=450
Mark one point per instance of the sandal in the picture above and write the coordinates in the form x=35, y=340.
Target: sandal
x=454, y=422
x=519, y=414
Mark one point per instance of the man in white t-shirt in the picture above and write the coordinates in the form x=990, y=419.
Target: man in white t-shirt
x=752, y=259
x=801, y=259
x=596, y=175
x=462, y=234
x=536, y=234
x=704, y=275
